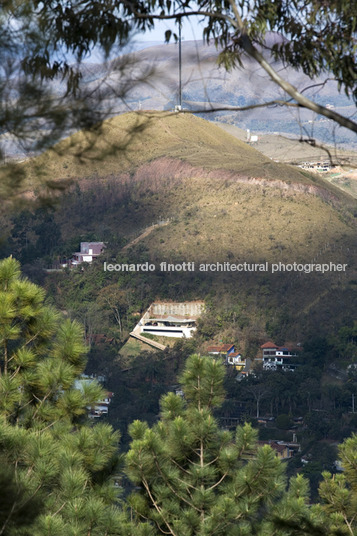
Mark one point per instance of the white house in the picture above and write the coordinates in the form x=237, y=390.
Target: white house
x=278, y=357
x=88, y=252
x=170, y=319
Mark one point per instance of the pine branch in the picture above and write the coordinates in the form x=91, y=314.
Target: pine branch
x=219, y=482
x=172, y=489
x=157, y=507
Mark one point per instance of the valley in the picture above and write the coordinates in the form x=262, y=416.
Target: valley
x=178, y=268
x=158, y=189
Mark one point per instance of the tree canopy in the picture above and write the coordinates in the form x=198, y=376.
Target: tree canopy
x=194, y=478
x=56, y=467
x=44, y=42
x=191, y=477
x=315, y=37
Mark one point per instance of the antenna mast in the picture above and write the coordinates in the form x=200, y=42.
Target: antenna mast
x=180, y=68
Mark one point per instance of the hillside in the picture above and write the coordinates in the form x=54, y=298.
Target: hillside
x=127, y=141
x=221, y=200
x=290, y=150
x=206, y=84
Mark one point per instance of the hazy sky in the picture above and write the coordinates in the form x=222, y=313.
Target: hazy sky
x=191, y=30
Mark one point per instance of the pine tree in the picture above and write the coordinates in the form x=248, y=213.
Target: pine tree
x=339, y=492
x=197, y=479
x=58, y=465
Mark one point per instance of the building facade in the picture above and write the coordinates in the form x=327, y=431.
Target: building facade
x=279, y=357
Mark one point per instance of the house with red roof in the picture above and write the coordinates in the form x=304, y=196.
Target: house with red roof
x=283, y=449
x=279, y=357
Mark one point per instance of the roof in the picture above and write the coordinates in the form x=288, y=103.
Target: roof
x=222, y=348
x=96, y=247
x=171, y=318
x=269, y=344
x=92, y=244
x=213, y=349
x=290, y=348
x=226, y=347
x=279, y=448
x=274, y=445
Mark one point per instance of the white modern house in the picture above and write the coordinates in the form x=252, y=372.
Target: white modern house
x=170, y=319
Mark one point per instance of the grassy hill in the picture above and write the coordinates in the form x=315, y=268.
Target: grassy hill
x=222, y=201
x=291, y=151
x=127, y=141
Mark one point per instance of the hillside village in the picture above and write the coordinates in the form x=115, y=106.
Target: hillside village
x=141, y=324
x=178, y=268
x=286, y=341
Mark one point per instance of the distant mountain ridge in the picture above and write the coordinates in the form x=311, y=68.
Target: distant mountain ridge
x=206, y=85
x=149, y=79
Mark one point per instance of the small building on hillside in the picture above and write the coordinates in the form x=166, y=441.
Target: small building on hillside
x=221, y=349
x=88, y=252
x=170, y=319
x=279, y=357
x=283, y=449
x=101, y=407
x=228, y=352
x=236, y=360
x=320, y=167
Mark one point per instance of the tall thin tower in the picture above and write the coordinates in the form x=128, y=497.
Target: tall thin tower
x=180, y=68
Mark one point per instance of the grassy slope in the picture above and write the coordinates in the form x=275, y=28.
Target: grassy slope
x=128, y=140
x=251, y=222
x=191, y=171
x=283, y=149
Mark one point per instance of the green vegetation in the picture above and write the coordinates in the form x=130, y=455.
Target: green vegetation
x=55, y=465
x=194, y=478
x=221, y=201
x=218, y=211
x=127, y=142
x=190, y=476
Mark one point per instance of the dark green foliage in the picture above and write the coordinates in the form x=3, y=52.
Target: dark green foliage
x=38, y=43
x=196, y=479
x=339, y=492
x=18, y=508
x=56, y=465
x=283, y=421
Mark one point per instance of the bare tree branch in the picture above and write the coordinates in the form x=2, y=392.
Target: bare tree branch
x=247, y=45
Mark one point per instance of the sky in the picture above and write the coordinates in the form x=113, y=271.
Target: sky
x=191, y=30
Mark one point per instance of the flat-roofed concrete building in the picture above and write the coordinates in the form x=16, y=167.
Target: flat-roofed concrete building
x=170, y=319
